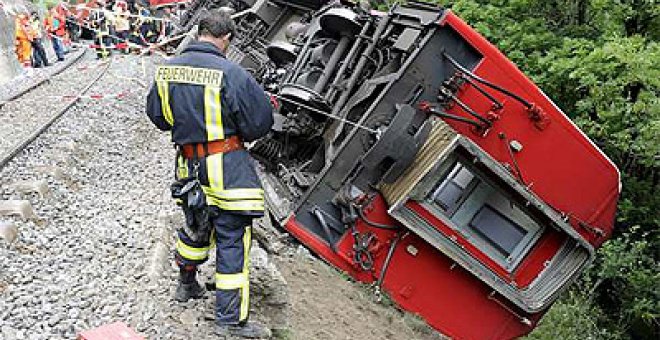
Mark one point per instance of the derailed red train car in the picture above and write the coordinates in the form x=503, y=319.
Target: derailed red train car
x=409, y=152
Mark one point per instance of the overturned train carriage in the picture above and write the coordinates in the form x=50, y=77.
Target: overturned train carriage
x=410, y=153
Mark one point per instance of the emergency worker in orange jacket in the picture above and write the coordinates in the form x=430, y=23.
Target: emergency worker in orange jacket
x=24, y=37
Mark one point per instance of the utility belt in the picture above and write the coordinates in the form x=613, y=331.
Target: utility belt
x=189, y=190
x=201, y=150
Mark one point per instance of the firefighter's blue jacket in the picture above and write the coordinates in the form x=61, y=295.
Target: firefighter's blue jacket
x=200, y=96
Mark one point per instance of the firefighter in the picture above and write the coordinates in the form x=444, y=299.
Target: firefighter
x=211, y=106
x=100, y=27
x=167, y=24
x=122, y=25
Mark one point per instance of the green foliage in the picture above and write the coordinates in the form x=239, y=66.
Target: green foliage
x=626, y=281
x=617, y=85
x=573, y=318
x=599, y=60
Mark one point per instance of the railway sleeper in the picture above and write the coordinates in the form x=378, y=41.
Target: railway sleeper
x=39, y=187
x=8, y=231
x=22, y=208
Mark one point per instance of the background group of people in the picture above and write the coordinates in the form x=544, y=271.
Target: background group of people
x=30, y=32
x=112, y=24
x=121, y=24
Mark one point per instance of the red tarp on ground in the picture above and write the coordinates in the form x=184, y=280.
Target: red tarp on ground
x=114, y=331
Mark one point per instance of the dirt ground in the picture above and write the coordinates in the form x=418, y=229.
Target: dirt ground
x=327, y=305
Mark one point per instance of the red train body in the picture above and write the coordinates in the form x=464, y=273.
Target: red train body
x=410, y=153
x=559, y=164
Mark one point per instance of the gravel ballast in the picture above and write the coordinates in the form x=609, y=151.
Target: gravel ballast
x=99, y=250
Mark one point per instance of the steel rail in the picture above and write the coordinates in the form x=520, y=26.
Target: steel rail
x=20, y=146
x=38, y=83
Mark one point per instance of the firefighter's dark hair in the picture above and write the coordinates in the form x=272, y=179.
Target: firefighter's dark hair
x=216, y=23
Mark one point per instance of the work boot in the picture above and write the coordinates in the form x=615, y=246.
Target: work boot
x=187, y=291
x=188, y=287
x=248, y=330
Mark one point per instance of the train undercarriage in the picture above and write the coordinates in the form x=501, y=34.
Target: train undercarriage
x=410, y=153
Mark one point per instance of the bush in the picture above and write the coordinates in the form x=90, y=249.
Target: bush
x=573, y=318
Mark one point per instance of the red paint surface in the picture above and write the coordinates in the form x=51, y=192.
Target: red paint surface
x=114, y=331
x=558, y=162
x=449, y=298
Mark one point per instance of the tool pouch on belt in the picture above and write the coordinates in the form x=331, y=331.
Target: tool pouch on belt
x=193, y=201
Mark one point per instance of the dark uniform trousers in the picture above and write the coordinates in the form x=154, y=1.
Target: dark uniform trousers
x=232, y=238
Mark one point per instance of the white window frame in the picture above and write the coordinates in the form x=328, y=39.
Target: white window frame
x=533, y=229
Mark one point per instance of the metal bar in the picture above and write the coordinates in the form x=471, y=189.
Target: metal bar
x=486, y=82
x=317, y=212
x=482, y=91
x=349, y=57
x=443, y=114
x=386, y=265
x=469, y=110
x=302, y=57
x=332, y=63
x=360, y=66
x=281, y=15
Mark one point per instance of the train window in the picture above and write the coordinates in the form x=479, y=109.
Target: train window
x=484, y=215
x=452, y=189
x=497, y=230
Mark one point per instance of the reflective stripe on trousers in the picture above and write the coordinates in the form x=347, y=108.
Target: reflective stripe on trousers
x=232, y=280
x=232, y=238
x=191, y=253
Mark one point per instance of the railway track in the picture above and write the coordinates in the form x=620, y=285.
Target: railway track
x=59, y=69
x=96, y=247
x=74, y=263
x=7, y=154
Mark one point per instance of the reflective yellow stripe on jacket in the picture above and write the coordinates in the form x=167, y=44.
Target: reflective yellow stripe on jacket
x=229, y=199
x=213, y=113
x=164, y=95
